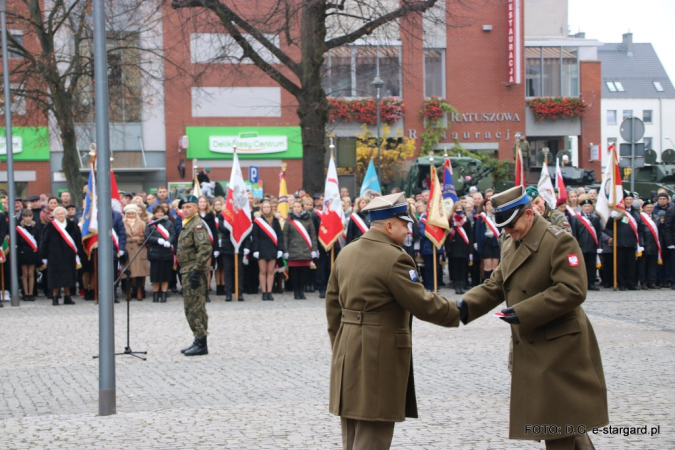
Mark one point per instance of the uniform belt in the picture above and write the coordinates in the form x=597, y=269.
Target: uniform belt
x=360, y=317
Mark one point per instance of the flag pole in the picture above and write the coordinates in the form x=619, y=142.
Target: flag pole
x=614, y=255
x=435, y=272
x=236, y=274
x=332, y=256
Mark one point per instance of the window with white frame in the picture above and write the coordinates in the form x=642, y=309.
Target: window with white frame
x=611, y=117
x=434, y=72
x=647, y=115
x=551, y=71
x=349, y=71
x=627, y=113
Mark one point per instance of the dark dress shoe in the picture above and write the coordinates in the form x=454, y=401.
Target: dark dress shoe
x=239, y=299
x=269, y=296
x=67, y=300
x=644, y=287
x=322, y=294
x=55, y=301
x=155, y=297
x=302, y=296
x=162, y=297
x=228, y=298
x=593, y=288
x=653, y=286
x=208, y=300
x=633, y=288
x=622, y=288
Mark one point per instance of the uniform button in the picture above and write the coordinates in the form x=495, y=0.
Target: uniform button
x=358, y=317
x=343, y=314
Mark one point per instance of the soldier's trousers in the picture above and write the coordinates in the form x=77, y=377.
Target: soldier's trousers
x=194, y=301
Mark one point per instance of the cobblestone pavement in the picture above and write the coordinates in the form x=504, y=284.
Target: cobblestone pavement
x=264, y=384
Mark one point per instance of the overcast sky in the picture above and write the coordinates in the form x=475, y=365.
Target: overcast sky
x=650, y=21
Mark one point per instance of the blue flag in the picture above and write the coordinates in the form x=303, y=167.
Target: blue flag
x=90, y=214
x=449, y=193
x=371, y=185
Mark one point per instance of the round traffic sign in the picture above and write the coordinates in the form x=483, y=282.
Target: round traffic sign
x=632, y=130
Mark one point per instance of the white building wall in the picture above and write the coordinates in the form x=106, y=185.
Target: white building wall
x=546, y=18
x=661, y=127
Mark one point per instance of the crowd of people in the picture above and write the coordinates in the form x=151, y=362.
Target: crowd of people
x=283, y=253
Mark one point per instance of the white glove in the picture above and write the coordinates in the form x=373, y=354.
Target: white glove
x=44, y=262
x=122, y=252
x=672, y=247
x=246, y=251
x=245, y=260
x=640, y=249
x=161, y=241
x=220, y=242
x=286, y=254
x=614, y=214
x=167, y=244
x=315, y=254
x=279, y=253
x=216, y=254
x=471, y=257
x=475, y=246
x=256, y=255
x=599, y=250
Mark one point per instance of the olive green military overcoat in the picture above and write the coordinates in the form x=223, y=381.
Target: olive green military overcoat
x=372, y=291
x=557, y=374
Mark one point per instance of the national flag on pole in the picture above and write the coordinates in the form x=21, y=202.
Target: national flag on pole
x=545, y=186
x=610, y=196
x=520, y=170
x=237, y=212
x=196, y=189
x=559, y=183
x=332, y=216
x=90, y=214
x=449, y=192
x=371, y=185
x=4, y=251
x=115, y=194
x=436, y=224
x=283, y=205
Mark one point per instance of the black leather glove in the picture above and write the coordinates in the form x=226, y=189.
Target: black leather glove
x=194, y=279
x=463, y=311
x=511, y=317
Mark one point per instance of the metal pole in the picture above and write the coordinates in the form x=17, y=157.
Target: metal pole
x=379, y=150
x=14, y=274
x=632, y=154
x=107, y=393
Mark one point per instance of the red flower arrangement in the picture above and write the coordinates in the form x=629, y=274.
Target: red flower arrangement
x=364, y=110
x=434, y=108
x=554, y=108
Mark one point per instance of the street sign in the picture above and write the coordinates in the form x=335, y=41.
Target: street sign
x=253, y=174
x=632, y=130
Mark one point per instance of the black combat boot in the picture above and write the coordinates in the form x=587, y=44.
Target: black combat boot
x=189, y=346
x=162, y=297
x=199, y=348
x=155, y=297
x=67, y=300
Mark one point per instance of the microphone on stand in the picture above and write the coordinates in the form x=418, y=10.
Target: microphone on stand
x=155, y=222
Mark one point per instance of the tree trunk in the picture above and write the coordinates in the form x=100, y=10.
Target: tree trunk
x=313, y=106
x=70, y=163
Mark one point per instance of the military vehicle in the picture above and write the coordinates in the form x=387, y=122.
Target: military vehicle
x=466, y=172
x=653, y=175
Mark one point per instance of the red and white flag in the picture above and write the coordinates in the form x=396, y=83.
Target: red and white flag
x=237, y=212
x=520, y=170
x=559, y=183
x=436, y=222
x=115, y=193
x=332, y=217
x=610, y=196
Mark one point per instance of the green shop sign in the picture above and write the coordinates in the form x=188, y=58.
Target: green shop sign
x=28, y=144
x=251, y=142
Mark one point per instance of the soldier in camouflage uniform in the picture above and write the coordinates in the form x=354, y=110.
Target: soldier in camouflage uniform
x=194, y=252
x=552, y=216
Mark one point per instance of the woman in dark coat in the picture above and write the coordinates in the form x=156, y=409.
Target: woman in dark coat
x=161, y=244
x=486, y=241
x=266, y=228
x=459, y=246
x=358, y=220
x=60, y=254
x=299, y=251
x=27, y=251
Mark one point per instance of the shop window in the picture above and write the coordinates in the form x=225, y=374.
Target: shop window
x=348, y=71
x=611, y=117
x=434, y=73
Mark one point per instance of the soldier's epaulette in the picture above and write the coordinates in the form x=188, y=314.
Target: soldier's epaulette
x=556, y=230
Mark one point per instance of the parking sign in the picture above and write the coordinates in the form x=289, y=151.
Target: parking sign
x=253, y=174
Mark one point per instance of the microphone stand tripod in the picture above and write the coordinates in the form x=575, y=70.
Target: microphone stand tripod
x=126, y=271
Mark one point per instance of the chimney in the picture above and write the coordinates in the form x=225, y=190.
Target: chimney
x=628, y=43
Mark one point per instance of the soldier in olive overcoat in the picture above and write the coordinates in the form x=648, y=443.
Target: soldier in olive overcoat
x=557, y=377
x=373, y=292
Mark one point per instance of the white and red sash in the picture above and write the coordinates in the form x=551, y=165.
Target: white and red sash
x=267, y=228
x=116, y=243
x=359, y=222
x=70, y=241
x=589, y=226
x=165, y=235
x=28, y=237
x=490, y=224
x=303, y=232
x=655, y=232
x=633, y=224
x=462, y=233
